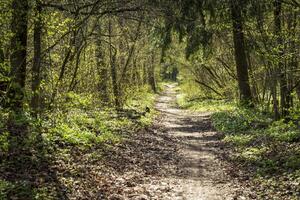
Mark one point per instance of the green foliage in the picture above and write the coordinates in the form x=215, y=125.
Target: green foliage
x=84, y=129
x=74, y=100
x=194, y=98
x=268, y=150
x=293, y=161
x=239, y=120
x=4, y=117
x=253, y=153
x=22, y=189
x=79, y=123
x=285, y=132
x=239, y=140
x=4, y=186
x=230, y=122
x=4, y=144
x=139, y=101
x=4, y=71
x=139, y=98
x=43, y=193
x=147, y=120
x=204, y=105
x=76, y=126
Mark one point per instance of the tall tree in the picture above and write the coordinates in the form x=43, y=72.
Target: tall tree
x=151, y=75
x=19, y=53
x=240, y=53
x=113, y=67
x=101, y=65
x=3, y=82
x=36, y=69
x=284, y=103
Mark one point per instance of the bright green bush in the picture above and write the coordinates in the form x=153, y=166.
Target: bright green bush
x=286, y=132
x=140, y=98
x=230, y=122
x=74, y=100
x=239, y=140
x=81, y=125
x=240, y=120
x=81, y=128
x=253, y=153
x=4, y=186
x=203, y=105
x=4, y=144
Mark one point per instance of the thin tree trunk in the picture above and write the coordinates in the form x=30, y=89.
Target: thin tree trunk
x=102, y=68
x=293, y=62
x=36, y=69
x=240, y=54
x=16, y=89
x=145, y=73
x=68, y=57
x=273, y=88
x=151, y=75
x=3, y=83
x=19, y=53
x=113, y=67
x=280, y=65
x=78, y=49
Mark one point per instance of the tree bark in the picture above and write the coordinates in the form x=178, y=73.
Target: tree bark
x=36, y=69
x=284, y=106
x=113, y=68
x=240, y=54
x=3, y=83
x=19, y=53
x=145, y=73
x=102, y=68
x=151, y=75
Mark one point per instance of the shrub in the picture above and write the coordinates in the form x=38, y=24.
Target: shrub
x=230, y=122
x=285, y=132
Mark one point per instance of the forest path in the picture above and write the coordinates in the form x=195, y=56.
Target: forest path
x=200, y=174
x=178, y=158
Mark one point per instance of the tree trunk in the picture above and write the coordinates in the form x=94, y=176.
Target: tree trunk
x=293, y=62
x=78, y=50
x=280, y=65
x=273, y=88
x=102, y=68
x=151, y=74
x=79, y=45
x=19, y=53
x=298, y=91
x=36, y=69
x=240, y=54
x=145, y=73
x=113, y=68
x=3, y=83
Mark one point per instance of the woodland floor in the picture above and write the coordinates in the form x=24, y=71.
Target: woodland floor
x=180, y=157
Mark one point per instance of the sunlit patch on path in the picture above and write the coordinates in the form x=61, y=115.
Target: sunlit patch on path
x=200, y=175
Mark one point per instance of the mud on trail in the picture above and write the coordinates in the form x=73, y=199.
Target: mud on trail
x=180, y=157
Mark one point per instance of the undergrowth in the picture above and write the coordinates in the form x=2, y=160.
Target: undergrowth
x=269, y=150
x=266, y=150
x=202, y=104
x=78, y=125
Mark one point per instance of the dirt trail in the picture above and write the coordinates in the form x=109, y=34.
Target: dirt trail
x=201, y=174
x=179, y=158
